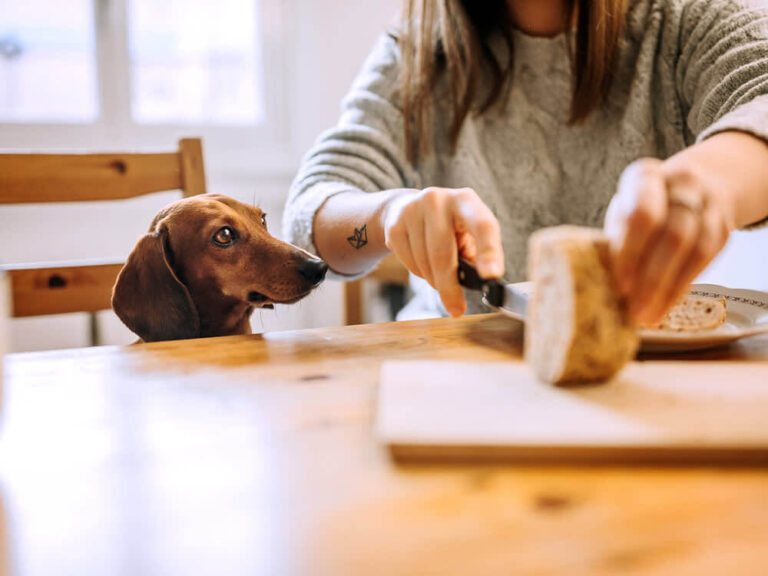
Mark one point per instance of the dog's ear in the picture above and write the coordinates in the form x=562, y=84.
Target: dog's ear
x=148, y=295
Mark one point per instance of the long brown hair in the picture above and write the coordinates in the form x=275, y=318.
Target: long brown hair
x=453, y=37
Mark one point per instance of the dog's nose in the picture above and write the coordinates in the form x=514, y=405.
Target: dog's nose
x=313, y=271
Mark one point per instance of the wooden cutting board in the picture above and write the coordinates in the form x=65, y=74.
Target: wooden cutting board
x=675, y=412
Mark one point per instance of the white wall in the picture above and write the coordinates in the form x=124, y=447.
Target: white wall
x=742, y=264
x=327, y=41
x=333, y=37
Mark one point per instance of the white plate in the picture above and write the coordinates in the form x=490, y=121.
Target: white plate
x=746, y=315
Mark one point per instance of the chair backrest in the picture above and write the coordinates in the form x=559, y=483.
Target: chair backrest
x=63, y=287
x=35, y=178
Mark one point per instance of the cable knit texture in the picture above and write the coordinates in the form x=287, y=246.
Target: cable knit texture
x=687, y=69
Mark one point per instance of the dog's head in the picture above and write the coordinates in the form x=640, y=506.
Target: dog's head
x=208, y=255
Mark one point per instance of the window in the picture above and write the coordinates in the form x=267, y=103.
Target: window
x=194, y=61
x=47, y=48
x=141, y=73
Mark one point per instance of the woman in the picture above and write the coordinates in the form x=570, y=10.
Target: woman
x=478, y=122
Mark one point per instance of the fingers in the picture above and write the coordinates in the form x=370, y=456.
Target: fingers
x=396, y=232
x=417, y=231
x=405, y=235
x=653, y=292
x=634, y=218
x=443, y=254
x=664, y=229
x=429, y=231
x=398, y=242
x=437, y=252
x=712, y=238
x=467, y=247
x=470, y=215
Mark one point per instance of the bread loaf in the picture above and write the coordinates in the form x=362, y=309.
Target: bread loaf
x=694, y=313
x=576, y=326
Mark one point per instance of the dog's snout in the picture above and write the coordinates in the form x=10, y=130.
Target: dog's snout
x=313, y=271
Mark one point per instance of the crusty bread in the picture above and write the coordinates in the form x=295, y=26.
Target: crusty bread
x=576, y=326
x=694, y=313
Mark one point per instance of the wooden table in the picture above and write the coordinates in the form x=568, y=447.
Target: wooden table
x=254, y=455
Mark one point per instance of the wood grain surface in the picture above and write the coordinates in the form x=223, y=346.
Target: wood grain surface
x=30, y=178
x=256, y=455
x=73, y=286
x=62, y=287
x=710, y=414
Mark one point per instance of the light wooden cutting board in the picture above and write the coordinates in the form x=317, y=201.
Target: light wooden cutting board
x=678, y=412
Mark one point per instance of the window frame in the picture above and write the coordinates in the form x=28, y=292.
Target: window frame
x=254, y=149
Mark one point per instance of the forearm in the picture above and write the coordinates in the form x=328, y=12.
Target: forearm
x=735, y=165
x=349, y=230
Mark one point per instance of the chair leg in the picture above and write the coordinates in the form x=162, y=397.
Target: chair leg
x=93, y=329
x=353, y=303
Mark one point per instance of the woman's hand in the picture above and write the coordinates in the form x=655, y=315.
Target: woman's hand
x=429, y=230
x=665, y=224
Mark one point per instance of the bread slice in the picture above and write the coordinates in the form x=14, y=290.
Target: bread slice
x=694, y=313
x=576, y=326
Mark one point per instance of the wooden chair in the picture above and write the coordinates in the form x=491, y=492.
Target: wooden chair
x=63, y=287
x=389, y=271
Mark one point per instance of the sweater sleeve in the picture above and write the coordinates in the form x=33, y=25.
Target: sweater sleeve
x=364, y=152
x=722, y=72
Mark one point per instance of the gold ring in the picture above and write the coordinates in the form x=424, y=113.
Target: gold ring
x=695, y=204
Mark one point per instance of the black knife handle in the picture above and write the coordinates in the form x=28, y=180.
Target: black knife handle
x=468, y=276
x=493, y=290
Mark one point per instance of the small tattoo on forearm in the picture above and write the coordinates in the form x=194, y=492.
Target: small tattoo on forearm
x=359, y=239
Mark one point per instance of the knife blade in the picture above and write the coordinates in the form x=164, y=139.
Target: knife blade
x=496, y=294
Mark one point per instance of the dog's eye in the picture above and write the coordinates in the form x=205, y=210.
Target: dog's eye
x=225, y=236
x=264, y=220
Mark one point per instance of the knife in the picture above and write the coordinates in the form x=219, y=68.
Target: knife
x=505, y=298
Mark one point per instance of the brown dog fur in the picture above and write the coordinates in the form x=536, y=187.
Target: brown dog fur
x=179, y=283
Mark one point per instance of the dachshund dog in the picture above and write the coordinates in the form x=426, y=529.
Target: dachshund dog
x=205, y=264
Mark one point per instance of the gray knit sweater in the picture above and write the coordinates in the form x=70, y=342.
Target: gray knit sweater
x=687, y=69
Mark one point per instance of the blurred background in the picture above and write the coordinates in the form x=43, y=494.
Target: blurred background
x=257, y=80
